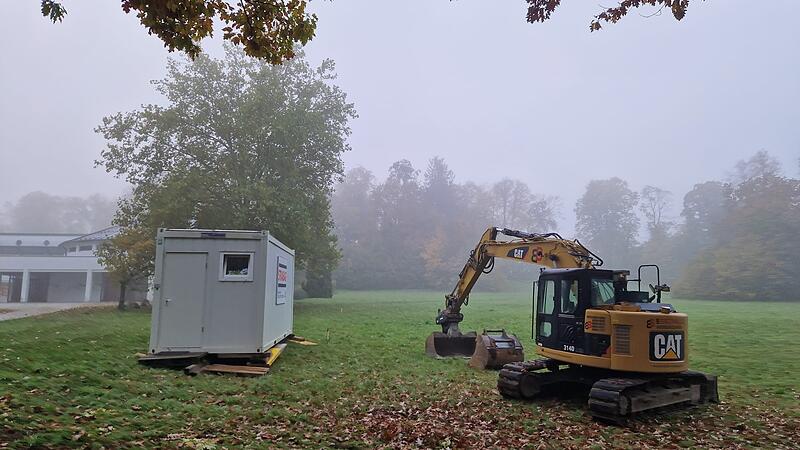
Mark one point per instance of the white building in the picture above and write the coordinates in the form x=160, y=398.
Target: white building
x=38, y=267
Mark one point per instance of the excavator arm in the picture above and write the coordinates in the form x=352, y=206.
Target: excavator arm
x=550, y=250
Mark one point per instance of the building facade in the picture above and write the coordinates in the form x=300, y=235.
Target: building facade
x=37, y=267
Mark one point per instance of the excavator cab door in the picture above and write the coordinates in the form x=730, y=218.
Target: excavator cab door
x=560, y=310
x=546, y=323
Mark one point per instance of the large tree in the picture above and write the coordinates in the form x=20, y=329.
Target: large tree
x=754, y=253
x=704, y=208
x=606, y=220
x=739, y=239
x=238, y=144
x=654, y=203
x=400, y=222
x=354, y=215
x=442, y=248
x=514, y=206
x=270, y=29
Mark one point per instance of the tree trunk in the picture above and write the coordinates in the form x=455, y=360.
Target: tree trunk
x=122, y=289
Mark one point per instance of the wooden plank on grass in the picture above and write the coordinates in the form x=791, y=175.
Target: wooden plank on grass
x=251, y=371
x=301, y=341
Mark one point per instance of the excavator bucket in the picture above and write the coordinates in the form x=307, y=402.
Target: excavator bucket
x=496, y=348
x=441, y=345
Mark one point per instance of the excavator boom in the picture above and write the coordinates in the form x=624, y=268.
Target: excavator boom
x=548, y=250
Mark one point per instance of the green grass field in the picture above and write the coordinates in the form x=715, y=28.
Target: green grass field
x=71, y=380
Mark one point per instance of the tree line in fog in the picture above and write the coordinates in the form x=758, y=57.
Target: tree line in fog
x=40, y=212
x=731, y=240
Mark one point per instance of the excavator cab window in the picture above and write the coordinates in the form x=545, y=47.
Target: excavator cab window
x=547, y=302
x=602, y=292
x=569, y=296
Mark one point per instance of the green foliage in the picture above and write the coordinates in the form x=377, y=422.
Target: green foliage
x=270, y=29
x=754, y=251
x=265, y=29
x=53, y=10
x=738, y=239
x=240, y=144
x=540, y=10
x=128, y=257
x=319, y=282
x=70, y=380
x=606, y=221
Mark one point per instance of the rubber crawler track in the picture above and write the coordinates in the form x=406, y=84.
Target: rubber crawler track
x=612, y=398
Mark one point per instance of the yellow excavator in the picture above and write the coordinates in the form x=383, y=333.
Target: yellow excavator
x=625, y=346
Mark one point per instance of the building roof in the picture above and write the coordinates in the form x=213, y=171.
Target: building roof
x=101, y=235
x=35, y=239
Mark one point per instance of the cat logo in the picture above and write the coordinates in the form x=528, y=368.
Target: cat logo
x=666, y=346
x=518, y=253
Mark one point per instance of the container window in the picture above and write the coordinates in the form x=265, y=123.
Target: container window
x=236, y=267
x=85, y=248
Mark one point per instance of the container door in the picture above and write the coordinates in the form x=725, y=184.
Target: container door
x=183, y=292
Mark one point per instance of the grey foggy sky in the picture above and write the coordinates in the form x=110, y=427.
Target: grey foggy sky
x=651, y=100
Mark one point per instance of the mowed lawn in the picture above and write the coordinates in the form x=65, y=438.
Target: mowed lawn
x=71, y=380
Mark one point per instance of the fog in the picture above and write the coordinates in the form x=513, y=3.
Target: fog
x=651, y=100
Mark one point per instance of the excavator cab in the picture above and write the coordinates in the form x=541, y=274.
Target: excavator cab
x=562, y=297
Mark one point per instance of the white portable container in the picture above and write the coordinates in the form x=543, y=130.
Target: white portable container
x=221, y=291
